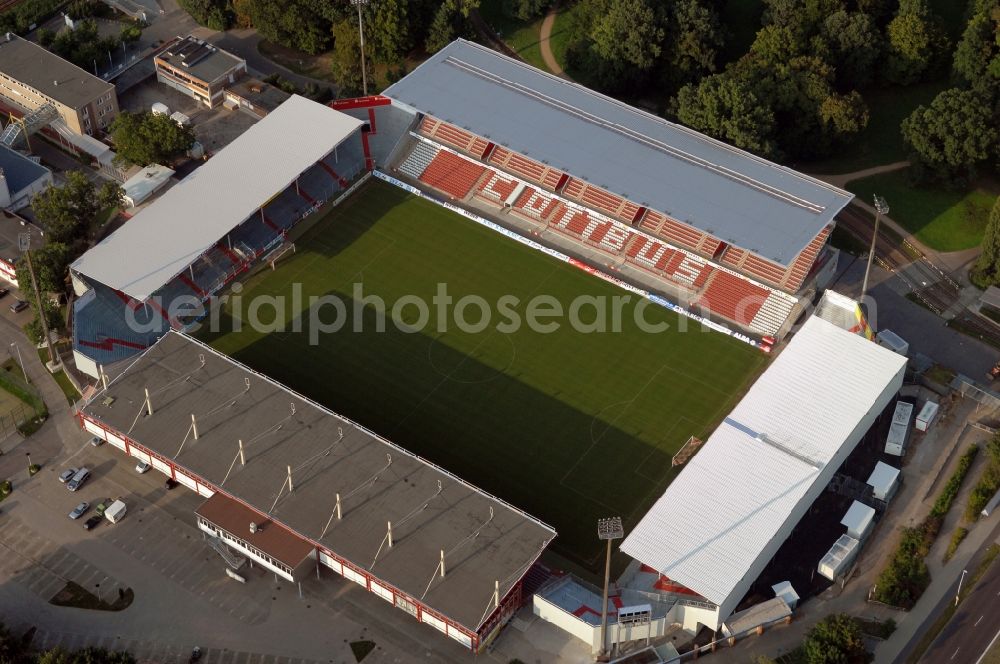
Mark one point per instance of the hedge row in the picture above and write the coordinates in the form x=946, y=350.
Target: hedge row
x=988, y=484
x=906, y=577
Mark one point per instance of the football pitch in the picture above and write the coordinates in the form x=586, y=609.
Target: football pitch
x=569, y=425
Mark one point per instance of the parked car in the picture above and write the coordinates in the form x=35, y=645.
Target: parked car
x=170, y=483
x=141, y=467
x=103, y=505
x=79, y=510
x=67, y=475
x=92, y=522
x=18, y=306
x=4, y=292
x=81, y=476
x=96, y=441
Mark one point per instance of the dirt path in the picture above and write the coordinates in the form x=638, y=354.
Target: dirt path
x=545, y=33
x=841, y=179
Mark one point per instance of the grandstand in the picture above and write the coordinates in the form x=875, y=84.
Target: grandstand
x=722, y=230
x=794, y=432
x=709, y=227
x=453, y=556
x=219, y=222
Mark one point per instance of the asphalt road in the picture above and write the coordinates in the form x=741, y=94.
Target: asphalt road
x=974, y=628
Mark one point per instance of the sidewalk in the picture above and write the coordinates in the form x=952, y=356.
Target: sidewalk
x=931, y=462
x=59, y=429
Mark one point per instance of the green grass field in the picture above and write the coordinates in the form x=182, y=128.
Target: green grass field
x=943, y=219
x=565, y=425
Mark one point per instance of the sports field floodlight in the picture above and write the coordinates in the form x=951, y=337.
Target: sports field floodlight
x=881, y=207
x=608, y=529
x=361, y=33
x=24, y=245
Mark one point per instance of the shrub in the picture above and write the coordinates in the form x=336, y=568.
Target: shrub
x=947, y=495
x=956, y=540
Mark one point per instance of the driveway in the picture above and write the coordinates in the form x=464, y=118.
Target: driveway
x=925, y=331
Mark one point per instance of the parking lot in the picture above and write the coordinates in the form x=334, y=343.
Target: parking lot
x=182, y=594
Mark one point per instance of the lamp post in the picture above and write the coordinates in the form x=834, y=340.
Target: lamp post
x=361, y=33
x=608, y=529
x=20, y=361
x=28, y=454
x=24, y=244
x=959, y=591
x=881, y=207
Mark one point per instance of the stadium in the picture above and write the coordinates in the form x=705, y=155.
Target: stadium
x=486, y=175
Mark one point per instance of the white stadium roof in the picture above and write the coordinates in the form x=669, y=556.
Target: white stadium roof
x=215, y=198
x=723, y=518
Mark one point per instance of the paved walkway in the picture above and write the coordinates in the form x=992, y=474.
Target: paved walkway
x=841, y=179
x=955, y=261
x=545, y=44
x=930, y=461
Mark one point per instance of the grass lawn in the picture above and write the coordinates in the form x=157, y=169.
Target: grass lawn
x=942, y=219
x=521, y=36
x=62, y=380
x=566, y=425
x=314, y=66
x=560, y=37
x=882, y=141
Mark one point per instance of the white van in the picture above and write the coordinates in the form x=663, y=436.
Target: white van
x=115, y=512
x=81, y=476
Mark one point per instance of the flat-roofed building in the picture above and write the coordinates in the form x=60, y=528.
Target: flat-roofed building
x=20, y=179
x=31, y=77
x=198, y=69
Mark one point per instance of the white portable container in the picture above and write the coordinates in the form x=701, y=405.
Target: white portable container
x=115, y=512
x=926, y=416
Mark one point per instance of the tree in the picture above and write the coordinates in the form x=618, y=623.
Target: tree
x=855, y=46
x=629, y=34
x=300, y=24
x=12, y=650
x=387, y=30
x=347, y=59
x=526, y=9
x=213, y=14
x=51, y=263
x=450, y=19
x=916, y=41
x=69, y=212
x=694, y=38
x=147, y=138
x=985, y=273
x=778, y=44
x=803, y=15
x=442, y=28
x=130, y=34
x=53, y=317
x=836, y=639
x=953, y=135
x=977, y=56
x=727, y=107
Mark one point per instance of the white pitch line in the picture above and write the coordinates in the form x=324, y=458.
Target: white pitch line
x=988, y=648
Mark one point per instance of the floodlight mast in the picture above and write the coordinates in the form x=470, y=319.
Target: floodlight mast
x=608, y=529
x=881, y=207
x=24, y=244
x=361, y=34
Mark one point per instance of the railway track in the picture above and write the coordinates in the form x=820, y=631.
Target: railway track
x=932, y=287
